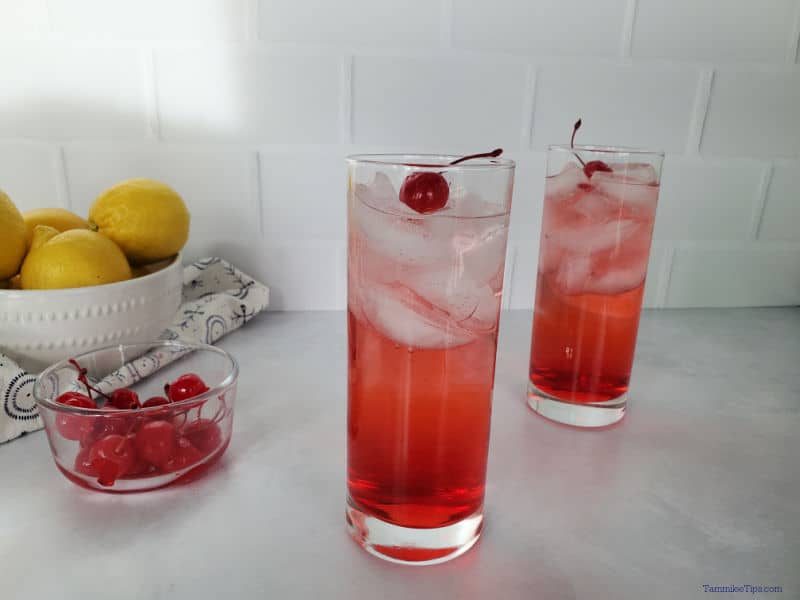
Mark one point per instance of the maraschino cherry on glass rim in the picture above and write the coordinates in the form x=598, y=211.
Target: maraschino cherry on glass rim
x=593, y=165
x=426, y=192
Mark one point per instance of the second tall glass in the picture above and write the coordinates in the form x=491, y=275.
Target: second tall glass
x=426, y=254
x=599, y=212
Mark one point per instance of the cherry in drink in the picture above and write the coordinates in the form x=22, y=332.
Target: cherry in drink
x=426, y=253
x=597, y=226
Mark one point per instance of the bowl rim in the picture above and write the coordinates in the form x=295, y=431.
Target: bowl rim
x=230, y=378
x=176, y=263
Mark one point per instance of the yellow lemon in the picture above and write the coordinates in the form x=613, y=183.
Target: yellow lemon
x=74, y=258
x=12, y=237
x=146, y=218
x=11, y=284
x=58, y=218
x=42, y=234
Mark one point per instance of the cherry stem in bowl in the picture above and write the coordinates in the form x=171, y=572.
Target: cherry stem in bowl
x=85, y=381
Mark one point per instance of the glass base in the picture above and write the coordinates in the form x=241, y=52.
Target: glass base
x=597, y=414
x=411, y=546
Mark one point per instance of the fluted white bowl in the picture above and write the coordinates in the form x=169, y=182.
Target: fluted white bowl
x=40, y=327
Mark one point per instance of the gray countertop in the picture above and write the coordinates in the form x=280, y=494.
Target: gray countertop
x=700, y=484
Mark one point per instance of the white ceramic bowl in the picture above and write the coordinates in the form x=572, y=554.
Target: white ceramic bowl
x=40, y=327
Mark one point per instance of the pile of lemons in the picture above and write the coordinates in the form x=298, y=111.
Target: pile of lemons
x=133, y=228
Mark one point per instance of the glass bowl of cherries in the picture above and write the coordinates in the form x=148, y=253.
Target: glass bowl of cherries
x=136, y=417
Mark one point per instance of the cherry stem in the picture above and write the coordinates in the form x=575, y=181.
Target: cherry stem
x=224, y=406
x=575, y=128
x=85, y=381
x=185, y=415
x=136, y=420
x=493, y=154
x=220, y=414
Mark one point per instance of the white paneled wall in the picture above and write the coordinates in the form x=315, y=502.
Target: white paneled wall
x=248, y=108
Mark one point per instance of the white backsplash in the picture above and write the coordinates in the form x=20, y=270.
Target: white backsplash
x=247, y=108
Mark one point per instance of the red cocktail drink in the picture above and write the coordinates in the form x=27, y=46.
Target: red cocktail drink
x=424, y=294
x=596, y=231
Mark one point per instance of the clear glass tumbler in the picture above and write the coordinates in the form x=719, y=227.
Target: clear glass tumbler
x=426, y=254
x=597, y=226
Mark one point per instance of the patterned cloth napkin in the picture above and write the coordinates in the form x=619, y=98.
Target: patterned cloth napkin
x=217, y=299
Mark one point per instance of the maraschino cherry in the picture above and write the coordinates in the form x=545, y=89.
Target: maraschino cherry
x=155, y=442
x=425, y=192
x=74, y=427
x=155, y=401
x=105, y=426
x=111, y=457
x=428, y=191
x=131, y=444
x=185, y=454
x=125, y=399
x=204, y=434
x=186, y=386
x=593, y=165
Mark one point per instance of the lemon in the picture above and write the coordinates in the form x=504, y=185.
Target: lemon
x=146, y=218
x=74, y=258
x=58, y=218
x=15, y=283
x=42, y=234
x=11, y=284
x=12, y=237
